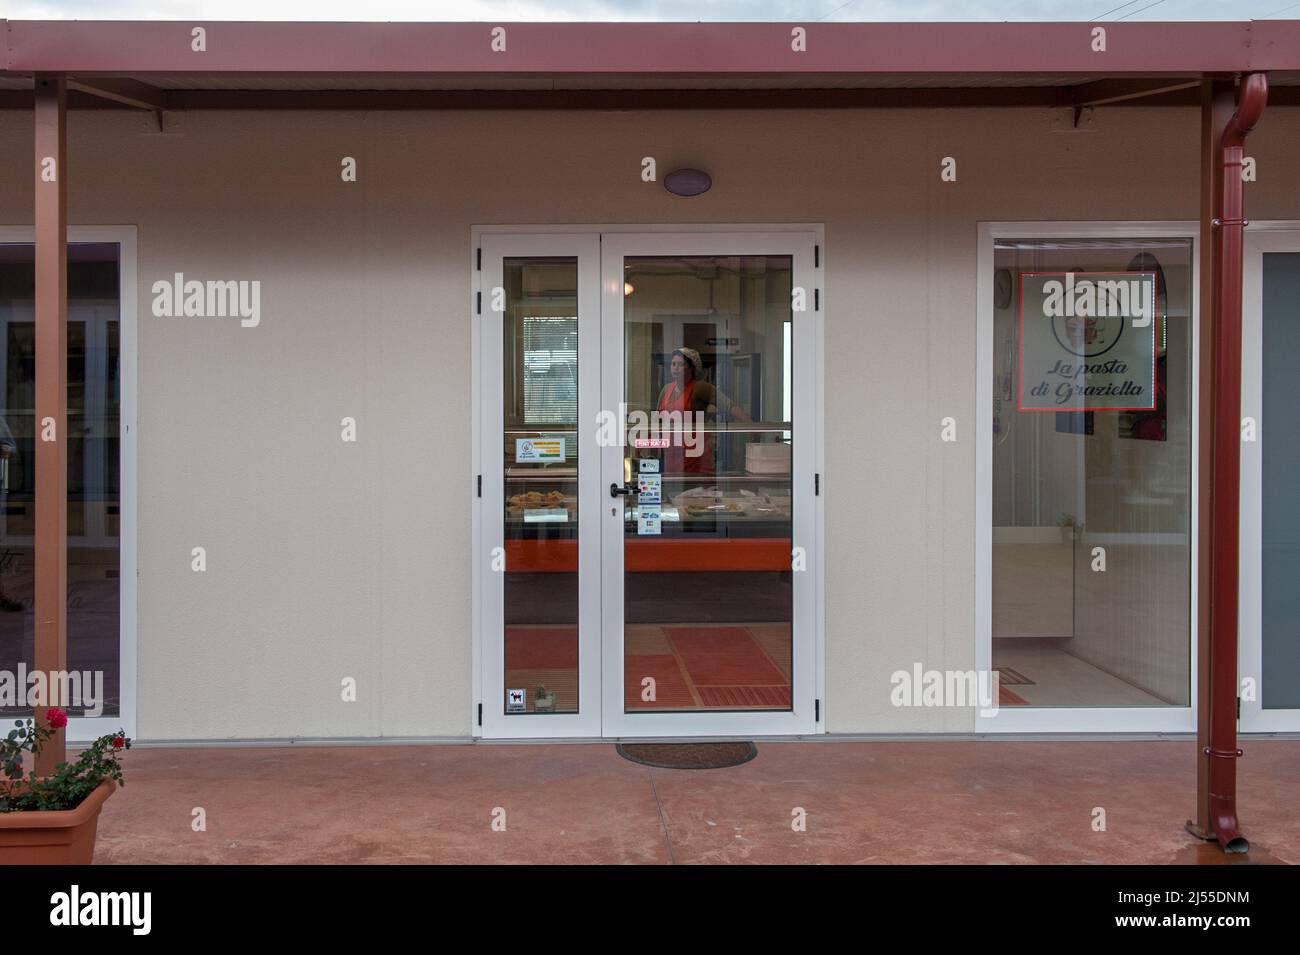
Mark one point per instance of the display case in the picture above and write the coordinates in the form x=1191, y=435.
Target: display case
x=732, y=520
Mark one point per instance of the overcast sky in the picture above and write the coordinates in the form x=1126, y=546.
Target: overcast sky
x=778, y=10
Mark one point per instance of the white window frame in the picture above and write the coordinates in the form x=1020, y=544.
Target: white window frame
x=84, y=729
x=1261, y=237
x=1082, y=719
x=682, y=725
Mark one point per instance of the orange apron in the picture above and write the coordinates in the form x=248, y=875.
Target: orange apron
x=676, y=460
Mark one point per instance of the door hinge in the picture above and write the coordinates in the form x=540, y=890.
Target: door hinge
x=817, y=256
x=817, y=300
x=1238, y=707
x=480, y=485
x=480, y=714
x=478, y=260
x=478, y=303
x=817, y=485
x=817, y=711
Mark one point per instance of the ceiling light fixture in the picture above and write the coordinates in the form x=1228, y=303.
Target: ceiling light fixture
x=687, y=182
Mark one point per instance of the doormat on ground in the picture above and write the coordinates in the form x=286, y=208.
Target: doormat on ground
x=688, y=755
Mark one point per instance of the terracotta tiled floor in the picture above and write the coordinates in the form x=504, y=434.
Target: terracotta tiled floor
x=955, y=801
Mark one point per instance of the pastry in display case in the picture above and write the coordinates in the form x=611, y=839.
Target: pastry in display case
x=531, y=505
x=541, y=477
x=714, y=502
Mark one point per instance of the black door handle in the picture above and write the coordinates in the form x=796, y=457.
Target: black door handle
x=615, y=490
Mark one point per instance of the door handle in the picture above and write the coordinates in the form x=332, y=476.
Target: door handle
x=615, y=490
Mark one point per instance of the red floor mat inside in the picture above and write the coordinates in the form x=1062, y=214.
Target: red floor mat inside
x=541, y=648
x=1007, y=698
x=725, y=665
x=671, y=690
x=745, y=697
x=723, y=656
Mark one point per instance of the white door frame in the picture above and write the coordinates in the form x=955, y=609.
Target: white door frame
x=1261, y=237
x=1082, y=719
x=83, y=729
x=797, y=240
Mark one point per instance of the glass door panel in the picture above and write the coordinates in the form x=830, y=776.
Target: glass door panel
x=708, y=597
x=541, y=669
x=708, y=347
x=540, y=372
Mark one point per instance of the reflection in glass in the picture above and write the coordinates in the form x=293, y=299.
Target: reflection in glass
x=541, y=484
x=1280, y=675
x=707, y=589
x=1102, y=472
x=94, y=396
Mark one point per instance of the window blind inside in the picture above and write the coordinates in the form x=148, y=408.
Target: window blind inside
x=550, y=370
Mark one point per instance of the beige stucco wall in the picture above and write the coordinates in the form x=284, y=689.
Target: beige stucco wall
x=328, y=559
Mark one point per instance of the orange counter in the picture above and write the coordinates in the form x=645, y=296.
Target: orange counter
x=651, y=555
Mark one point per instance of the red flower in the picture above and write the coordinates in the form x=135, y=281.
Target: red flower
x=57, y=719
x=119, y=742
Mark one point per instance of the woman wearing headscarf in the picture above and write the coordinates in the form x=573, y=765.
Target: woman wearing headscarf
x=687, y=392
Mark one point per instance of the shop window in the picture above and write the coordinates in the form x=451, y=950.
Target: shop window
x=94, y=401
x=1092, y=469
x=1280, y=630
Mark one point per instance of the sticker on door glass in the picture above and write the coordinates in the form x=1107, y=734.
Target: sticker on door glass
x=648, y=519
x=649, y=465
x=539, y=449
x=648, y=488
x=516, y=701
x=1088, y=341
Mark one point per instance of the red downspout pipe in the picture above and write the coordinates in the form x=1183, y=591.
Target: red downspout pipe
x=1222, y=750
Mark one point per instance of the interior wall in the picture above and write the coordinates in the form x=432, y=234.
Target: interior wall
x=329, y=560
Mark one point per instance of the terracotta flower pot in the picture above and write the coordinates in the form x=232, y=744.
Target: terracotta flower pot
x=53, y=837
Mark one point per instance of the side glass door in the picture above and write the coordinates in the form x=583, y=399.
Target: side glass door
x=540, y=548
x=708, y=519
x=1270, y=510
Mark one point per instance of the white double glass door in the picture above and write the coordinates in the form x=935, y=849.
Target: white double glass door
x=647, y=514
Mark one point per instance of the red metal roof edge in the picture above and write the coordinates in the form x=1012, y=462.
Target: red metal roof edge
x=154, y=46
